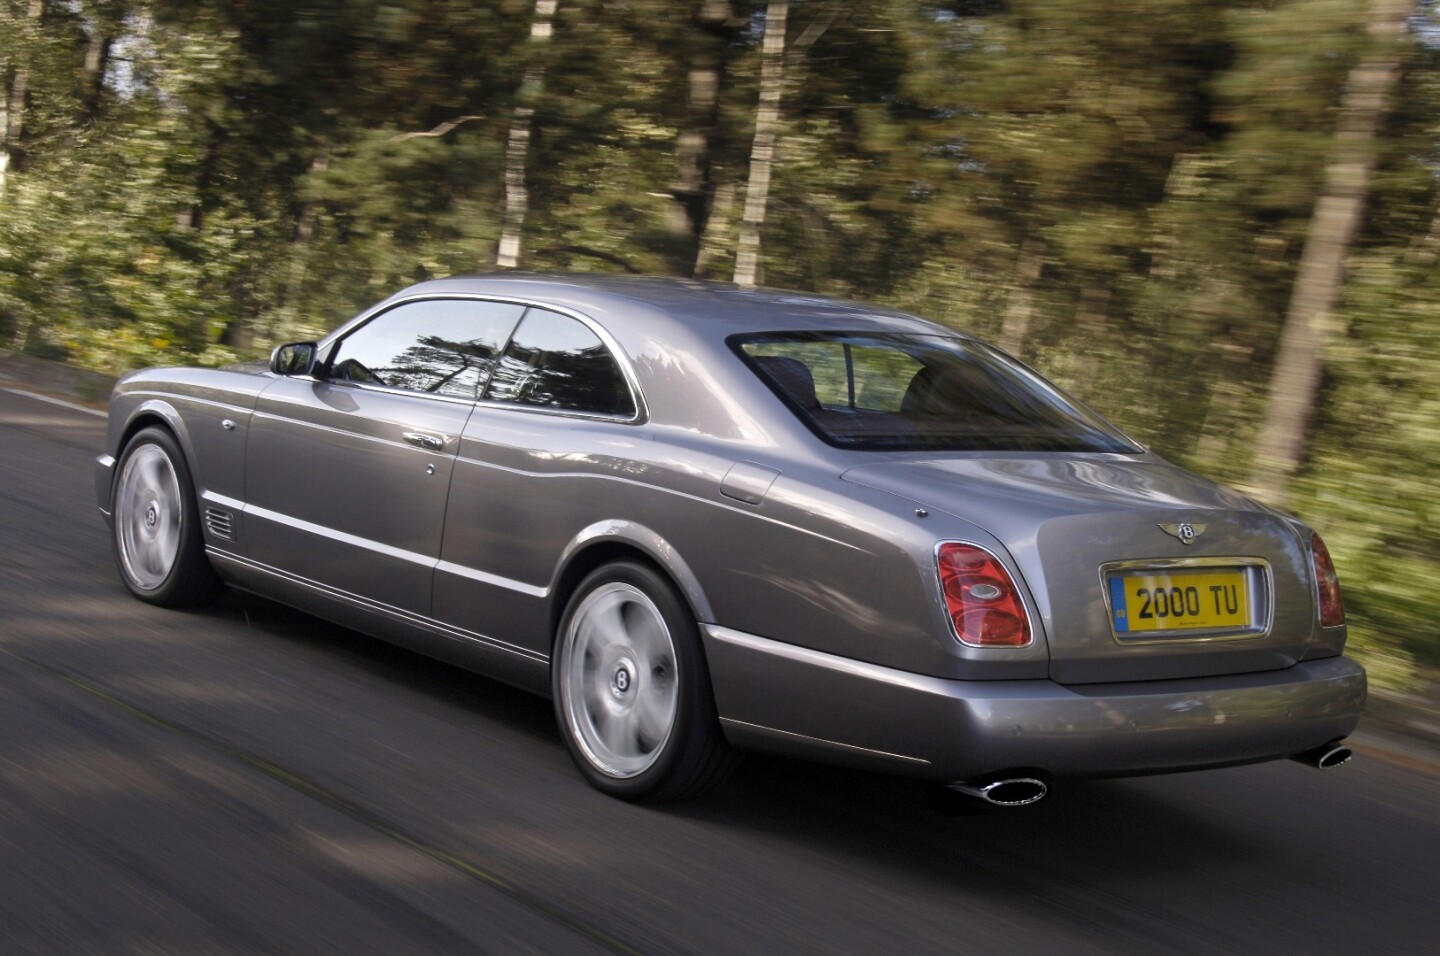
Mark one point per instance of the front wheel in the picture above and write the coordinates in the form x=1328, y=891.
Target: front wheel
x=158, y=546
x=632, y=693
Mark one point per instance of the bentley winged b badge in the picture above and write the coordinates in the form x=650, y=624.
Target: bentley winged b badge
x=1185, y=531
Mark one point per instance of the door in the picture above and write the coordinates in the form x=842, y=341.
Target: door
x=347, y=472
x=555, y=415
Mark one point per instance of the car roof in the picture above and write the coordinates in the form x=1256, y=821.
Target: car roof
x=712, y=308
x=672, y=336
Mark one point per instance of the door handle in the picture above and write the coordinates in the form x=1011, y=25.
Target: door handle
x=433, y=442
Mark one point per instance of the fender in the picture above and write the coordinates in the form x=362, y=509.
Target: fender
x=118, y=432
x=160, y=407
x=652, y=544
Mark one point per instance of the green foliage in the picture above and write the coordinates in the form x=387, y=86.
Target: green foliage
x=1123, y=189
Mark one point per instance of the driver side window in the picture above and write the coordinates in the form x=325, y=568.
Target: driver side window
x=435, y=346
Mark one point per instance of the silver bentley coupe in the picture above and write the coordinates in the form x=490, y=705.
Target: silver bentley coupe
x=707, y=520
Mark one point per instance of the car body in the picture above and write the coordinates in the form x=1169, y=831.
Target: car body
x=707, y=519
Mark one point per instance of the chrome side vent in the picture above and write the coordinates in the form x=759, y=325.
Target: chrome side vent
x=219, y=523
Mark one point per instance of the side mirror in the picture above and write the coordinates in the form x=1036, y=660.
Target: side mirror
x=294, y=358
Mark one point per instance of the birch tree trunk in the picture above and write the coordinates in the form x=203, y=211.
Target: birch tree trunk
x=1020, y=304
x=16, y=98
x=762, y=154
x=693, y=183
x=712, y=242
x=517, y=149
x=1299, y=362
x=1091, y=318
x=97, y=61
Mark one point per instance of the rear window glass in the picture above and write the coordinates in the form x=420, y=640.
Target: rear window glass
x=921, y=392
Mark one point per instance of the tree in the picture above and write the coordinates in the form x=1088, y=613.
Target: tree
x=15, y=95
x=762, y=155
x=518, y=148
x=1295, y=381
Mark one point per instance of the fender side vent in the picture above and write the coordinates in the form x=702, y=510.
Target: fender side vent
x=220, y=523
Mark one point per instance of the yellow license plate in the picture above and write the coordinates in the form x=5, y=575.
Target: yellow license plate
x=1179, y=600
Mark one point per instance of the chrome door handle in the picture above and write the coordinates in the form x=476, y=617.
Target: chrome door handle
x=433, y=442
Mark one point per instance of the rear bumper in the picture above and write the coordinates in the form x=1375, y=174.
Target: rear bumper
x=781, y=698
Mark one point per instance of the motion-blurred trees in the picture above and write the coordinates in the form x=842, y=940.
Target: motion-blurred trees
x=1120, y=192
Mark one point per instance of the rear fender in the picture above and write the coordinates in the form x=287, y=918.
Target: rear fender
x=647, y=541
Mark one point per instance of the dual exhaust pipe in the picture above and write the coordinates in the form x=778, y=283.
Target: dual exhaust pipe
x=1021, y=790
x=998, y=791
x=1328, y=757
x=1005, y=792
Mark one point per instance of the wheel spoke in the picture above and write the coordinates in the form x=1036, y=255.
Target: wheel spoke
x=616, y=733
x=648, y=634
x=167, y=538
x=607, y=625
x=653, y=716
x=156, y=476
x=592, y=692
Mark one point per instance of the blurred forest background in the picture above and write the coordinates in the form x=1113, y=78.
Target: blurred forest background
x=1215, y=220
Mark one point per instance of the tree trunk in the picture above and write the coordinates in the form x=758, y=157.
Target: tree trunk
x=1299, y=362
x=762, y=155
x=17, y=98
x=97, y=61
x=712, y=242
x=192, y=218
x=1091, y=317
x=694, y=186
x=1020, y=305
x=517, y=149
x=238, y=333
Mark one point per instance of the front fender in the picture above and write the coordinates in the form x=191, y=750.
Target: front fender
x=125, y=422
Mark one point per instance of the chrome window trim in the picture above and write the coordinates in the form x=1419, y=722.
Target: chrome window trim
x=1015, y=579
x=622, y=359
x=392, y=390
x=1261, y=623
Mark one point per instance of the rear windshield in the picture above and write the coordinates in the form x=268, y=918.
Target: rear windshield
x=921, y=392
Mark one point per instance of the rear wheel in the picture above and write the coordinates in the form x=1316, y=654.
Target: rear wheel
x=632, y=693
x=158, y=547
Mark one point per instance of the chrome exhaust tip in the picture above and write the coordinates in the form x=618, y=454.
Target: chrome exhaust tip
x=1005, y=792
x=1327, y=757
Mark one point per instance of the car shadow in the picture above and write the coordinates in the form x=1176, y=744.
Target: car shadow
x=1087, y=834
x=390, y=664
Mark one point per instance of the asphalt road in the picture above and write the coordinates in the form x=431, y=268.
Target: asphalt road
x=250, y=780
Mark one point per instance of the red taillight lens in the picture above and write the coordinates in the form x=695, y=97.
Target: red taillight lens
x=1327, y=584
x=981, y=598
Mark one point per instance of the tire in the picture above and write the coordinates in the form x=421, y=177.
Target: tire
x=158, y=547
x=632, y=693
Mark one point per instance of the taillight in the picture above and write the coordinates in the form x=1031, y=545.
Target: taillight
x=1327, y=584
x=981, y=597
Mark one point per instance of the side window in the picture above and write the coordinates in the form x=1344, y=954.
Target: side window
x=554, y=361
x=440, y=346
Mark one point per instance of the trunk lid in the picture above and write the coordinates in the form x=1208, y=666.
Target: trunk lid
x=1088, y=534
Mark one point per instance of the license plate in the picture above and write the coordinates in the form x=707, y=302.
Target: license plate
x=1179, y=600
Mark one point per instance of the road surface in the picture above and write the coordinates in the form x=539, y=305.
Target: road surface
x=247, y=779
